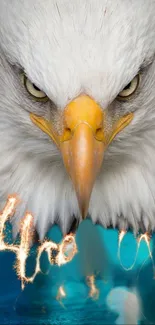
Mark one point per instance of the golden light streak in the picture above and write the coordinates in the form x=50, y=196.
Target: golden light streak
x=94, y=292
x=4, y=216
x=144, y=237
x=61, y=295
x=62, y=292
x=66, y=250
x=121, y=236
x=24, y=248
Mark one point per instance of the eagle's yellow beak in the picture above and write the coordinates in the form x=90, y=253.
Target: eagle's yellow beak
x=82, y=142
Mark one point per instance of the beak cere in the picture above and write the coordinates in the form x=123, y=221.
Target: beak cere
x=82, y=143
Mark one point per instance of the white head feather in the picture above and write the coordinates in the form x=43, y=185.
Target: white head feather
x=67, y=48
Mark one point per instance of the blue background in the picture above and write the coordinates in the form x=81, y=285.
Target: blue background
x=98, y=254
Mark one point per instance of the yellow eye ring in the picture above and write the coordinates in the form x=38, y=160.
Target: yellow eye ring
x=34, y=91
x=130, y=89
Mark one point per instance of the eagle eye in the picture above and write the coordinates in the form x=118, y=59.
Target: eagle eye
x=130, y=88
x=34, y=91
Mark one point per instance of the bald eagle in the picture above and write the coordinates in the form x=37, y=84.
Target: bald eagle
x=77, y=111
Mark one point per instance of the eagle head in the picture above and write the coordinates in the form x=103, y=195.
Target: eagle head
x=77, y=111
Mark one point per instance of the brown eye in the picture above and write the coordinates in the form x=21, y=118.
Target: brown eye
x=34, y=91
x=130, y=88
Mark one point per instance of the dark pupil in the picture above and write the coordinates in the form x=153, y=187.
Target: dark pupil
x=35, y=87
x=128, y=86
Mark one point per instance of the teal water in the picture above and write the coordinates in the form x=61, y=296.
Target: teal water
x=97, y=254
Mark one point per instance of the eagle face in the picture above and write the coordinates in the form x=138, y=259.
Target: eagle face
x=77, y=105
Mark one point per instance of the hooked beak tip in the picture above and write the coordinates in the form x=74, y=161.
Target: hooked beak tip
x=83, y=213
x=83, y=206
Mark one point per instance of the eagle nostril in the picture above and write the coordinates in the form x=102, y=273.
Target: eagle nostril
x=68, y=130
x=67, y=133
x=99, y=132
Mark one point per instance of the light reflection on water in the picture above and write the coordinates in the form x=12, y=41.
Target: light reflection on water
x=98, y=254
